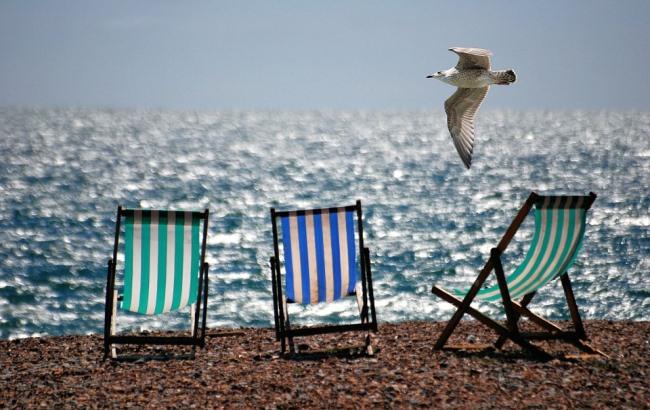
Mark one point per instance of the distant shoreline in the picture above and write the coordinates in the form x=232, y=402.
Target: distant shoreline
x=244, y=369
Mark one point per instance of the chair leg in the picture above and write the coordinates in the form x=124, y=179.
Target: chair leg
x=363, y=314
x=192, y=327
x=575, y=316
x=192, y=316
x=287, y=330
x=464, y=306
x=282, y=327
x=453, y=322
x=573, y=307
x=108, y=309
x=511, y=316
x=524, y=302
x=371, y=296
x=204, y=308
x=276, y=315
x=114, y=325
x=363, y=309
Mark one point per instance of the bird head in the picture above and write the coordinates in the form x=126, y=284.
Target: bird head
x=436, y=75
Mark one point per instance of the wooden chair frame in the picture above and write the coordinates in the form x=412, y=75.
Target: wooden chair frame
x=515, y=310
x=368, y=319
x=197, y=310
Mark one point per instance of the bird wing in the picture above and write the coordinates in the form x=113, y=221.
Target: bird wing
x=461, y=108
x=472, y=57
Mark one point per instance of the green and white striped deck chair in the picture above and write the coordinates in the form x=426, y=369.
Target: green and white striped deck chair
x=164, y=270
x=559, y=230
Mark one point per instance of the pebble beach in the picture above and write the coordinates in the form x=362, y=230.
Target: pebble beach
x=242, y=368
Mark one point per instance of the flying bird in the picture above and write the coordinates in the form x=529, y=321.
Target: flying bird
x=473, y=77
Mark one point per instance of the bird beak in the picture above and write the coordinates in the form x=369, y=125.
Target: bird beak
x=430, y=76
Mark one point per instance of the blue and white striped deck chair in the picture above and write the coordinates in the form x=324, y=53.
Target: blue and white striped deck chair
x=322, y=264
x=164, y=270
x=560, y=223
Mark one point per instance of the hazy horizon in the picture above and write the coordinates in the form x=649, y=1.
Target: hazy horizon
x=294, y=56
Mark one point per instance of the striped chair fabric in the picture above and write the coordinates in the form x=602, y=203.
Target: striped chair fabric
x=319, y=255
x=559, y=230
x=162, y=258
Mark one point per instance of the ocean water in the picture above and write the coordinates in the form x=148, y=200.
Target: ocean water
x=427, y=220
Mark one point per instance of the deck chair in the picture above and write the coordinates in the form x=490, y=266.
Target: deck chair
x=320, y=266
x=559, y=229
x=164, y=270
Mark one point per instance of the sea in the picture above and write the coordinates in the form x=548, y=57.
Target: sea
x=427, y=220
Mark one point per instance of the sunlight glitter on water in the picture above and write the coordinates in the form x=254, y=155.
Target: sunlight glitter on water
x=427, y=220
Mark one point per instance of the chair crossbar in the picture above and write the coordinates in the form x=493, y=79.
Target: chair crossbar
x=155, y=340
x=307, y=331
x=538, y=320
x=563, y=335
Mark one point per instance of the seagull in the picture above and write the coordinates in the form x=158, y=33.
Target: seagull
x=473, y=77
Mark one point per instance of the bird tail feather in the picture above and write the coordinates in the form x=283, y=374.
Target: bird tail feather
x=504, y=76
